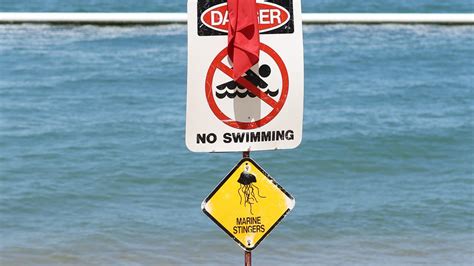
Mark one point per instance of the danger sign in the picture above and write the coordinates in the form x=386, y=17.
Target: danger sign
x=261, y=110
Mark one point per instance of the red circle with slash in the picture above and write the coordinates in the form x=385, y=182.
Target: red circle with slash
x=275, y=105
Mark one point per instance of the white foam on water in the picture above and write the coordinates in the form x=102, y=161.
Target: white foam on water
x=52, y=35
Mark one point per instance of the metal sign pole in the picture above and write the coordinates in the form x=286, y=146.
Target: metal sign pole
x=248, y=254
x=248, y=258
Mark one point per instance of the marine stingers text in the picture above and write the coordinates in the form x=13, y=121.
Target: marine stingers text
x=249, y=225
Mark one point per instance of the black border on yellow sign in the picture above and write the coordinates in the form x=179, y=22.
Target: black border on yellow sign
x=222, y=183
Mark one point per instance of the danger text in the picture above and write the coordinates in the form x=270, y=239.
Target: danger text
x=265, y=17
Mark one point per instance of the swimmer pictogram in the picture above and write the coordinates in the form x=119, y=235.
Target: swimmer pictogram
x=232, y=89
x=250, y=85
x=248, y=191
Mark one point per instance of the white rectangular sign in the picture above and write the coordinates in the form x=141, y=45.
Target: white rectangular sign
x=263, y=110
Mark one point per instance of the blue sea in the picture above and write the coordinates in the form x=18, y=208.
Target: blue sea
x=331, y=6
x=94, y=168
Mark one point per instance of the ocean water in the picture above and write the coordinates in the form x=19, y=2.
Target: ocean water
x=333, y=6
x=94, y=169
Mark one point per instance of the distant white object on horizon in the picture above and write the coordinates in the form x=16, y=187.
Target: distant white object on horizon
x=181, y=18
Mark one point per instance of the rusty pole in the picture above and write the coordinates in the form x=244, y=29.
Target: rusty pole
x=248, y=258
x=248, y=254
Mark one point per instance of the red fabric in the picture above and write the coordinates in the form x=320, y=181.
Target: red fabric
x=244, y=39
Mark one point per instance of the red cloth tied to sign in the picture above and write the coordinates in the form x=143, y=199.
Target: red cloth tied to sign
x=243, y=36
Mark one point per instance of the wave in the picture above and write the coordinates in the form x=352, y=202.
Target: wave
x=244, y=94
x=233, y=89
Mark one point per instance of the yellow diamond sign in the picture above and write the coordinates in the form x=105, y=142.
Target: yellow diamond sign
x=248, y=204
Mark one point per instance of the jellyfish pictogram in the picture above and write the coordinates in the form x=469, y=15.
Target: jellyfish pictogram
x=248, y=191
x=231, y=89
